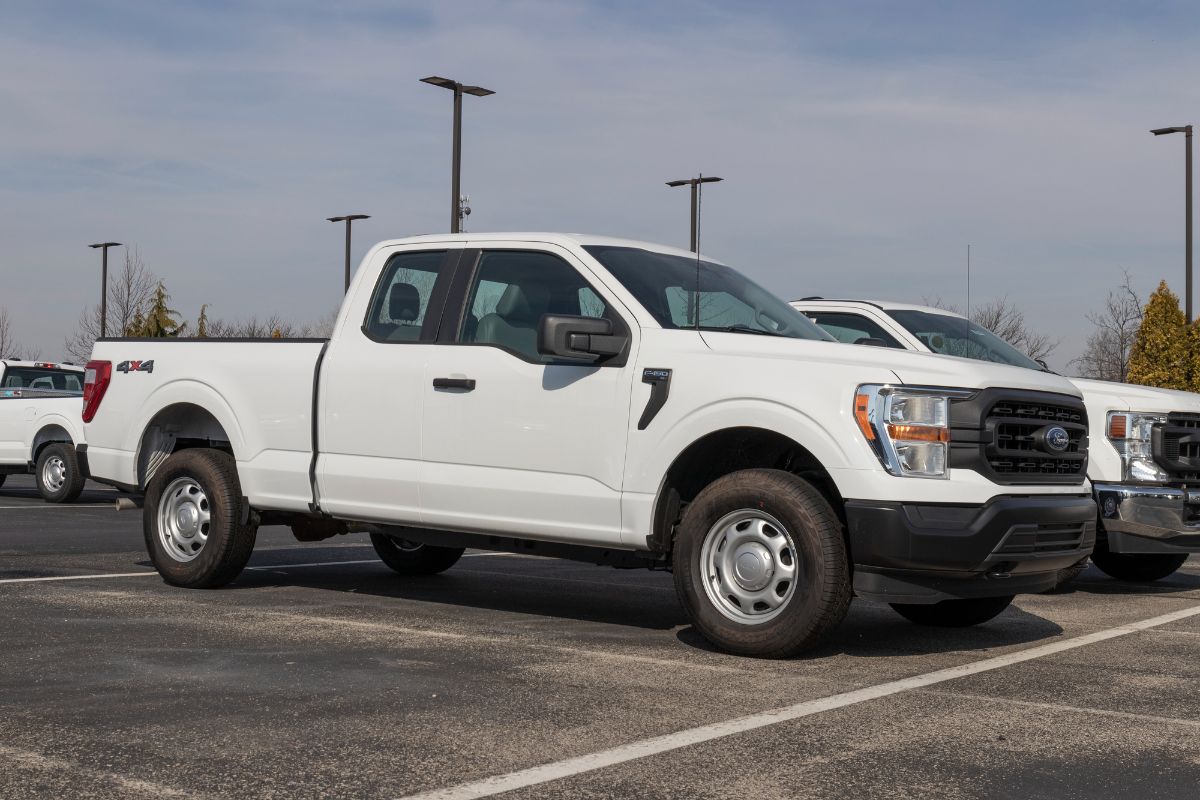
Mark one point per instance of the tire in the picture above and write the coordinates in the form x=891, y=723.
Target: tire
x=782, y=531
x=57, y=474
x=193, y=520
x=1138, y=567
x=413, y=558
x=954, y=613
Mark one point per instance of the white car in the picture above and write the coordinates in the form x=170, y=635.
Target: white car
x=1149, y=453
x=41, y=430
x=603, y=400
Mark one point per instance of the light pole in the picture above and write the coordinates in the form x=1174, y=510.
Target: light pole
x=456, y=160
x=104, y=283
x=348, y=219
x=695, y=184
x=1186, y=130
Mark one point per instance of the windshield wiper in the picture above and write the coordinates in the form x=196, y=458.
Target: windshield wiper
x=741, y=329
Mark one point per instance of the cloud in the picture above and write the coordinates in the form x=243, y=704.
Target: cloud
x=863, y=149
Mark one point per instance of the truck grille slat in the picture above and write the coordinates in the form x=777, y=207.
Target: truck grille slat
x=1176, y=446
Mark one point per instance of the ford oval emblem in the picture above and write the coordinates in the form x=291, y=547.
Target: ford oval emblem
x=1057, y=439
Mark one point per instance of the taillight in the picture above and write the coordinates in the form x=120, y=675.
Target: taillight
x=95, y=383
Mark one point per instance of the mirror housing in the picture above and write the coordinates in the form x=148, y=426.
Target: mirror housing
x=583, y=339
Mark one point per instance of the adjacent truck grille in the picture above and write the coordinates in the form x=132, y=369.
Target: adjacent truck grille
x=1016, y=437
x=1176, y=446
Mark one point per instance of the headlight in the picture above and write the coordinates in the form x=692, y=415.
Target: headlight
x=1129, y=432
x=909, y=429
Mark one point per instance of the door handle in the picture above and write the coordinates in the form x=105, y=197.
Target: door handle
x=464, y=384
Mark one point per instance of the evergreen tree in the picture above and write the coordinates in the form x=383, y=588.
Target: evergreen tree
x=202, y=322
x=1162, y=350
x=136, y=325
x=159, y=320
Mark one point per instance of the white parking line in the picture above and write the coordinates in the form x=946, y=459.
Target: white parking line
x=535, y=776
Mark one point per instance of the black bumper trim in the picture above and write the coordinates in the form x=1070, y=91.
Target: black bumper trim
x=998, y=542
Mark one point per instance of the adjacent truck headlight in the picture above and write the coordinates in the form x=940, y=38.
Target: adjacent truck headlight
x=909, y=429
x=1129, y=432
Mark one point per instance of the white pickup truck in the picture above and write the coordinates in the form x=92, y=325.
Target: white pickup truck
x=40, y=427
x=1144, y=476
x=608, y=401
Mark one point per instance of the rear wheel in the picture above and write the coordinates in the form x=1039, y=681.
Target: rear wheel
x=760, y=564
x=1140, y=567
x=414, y=558
x=196, y=527
x=954, y=613
x=58, y=476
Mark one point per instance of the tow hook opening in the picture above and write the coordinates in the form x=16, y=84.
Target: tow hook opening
x=1002, y=570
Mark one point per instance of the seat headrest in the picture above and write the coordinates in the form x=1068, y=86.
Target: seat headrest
x=523, y=304
x=404, y=302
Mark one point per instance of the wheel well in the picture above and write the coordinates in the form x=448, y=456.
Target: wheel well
x=47, y=435
x=725, y=451
x=178, y=427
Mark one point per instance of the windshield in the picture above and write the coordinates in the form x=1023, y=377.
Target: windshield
x=955, y=336
x=727, y=301
x=60, y=380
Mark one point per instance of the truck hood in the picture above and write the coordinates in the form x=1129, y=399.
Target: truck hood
x=912, y=368
x=1130, y=397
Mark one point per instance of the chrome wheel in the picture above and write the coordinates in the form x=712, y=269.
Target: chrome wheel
x=749, y=564
x=184, y=519
x=54, y=474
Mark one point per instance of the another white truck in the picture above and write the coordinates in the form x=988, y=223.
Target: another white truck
x=1146, y=471
x=40, y=426
x=608, y=401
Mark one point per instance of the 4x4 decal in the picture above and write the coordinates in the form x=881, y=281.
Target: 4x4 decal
x=136, y=366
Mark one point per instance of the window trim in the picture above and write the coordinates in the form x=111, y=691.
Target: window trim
x=430, y=326
x=456, y=311
x=895, y=345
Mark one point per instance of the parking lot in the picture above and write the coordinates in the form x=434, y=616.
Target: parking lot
x=320, y=673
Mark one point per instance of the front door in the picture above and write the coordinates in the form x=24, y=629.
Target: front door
x=513, y=442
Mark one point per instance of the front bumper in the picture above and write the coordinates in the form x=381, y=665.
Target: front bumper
x=1149, y=519
x=925, y=553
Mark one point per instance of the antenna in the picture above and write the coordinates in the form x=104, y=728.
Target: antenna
x=699, y=201
x=968, y=281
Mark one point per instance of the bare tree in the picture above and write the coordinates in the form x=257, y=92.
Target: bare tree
x=1106, y=356
x=129, y=292
x=1004, y=319
x=9, y=346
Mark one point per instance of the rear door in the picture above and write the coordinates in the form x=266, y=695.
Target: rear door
x=371, y=389
x=513, y=442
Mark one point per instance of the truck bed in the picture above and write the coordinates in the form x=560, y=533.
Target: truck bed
x=155, y=382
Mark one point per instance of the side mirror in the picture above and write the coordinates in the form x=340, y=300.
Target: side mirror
x=1043, y=363
x=585, y=339
x=871, y=341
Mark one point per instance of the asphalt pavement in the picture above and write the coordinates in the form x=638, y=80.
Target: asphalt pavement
x=320, y=674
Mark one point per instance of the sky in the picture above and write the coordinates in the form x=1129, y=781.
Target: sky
x=863, y=145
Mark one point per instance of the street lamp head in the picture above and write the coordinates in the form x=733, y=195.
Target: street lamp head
x=478, y=91
x=104, y=245
x=694, y=181
x=435, y=80
x=1175, y=129
x=453, y=85
x=349, y=217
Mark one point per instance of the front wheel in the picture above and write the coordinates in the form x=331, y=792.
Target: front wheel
x=197, y=530
x=1139, y=567
x=414, y=558
x=58, y=476
x=954, y=613
x=760, y=564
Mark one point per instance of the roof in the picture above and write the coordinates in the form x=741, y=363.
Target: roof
x=562, y=239
x=883, y=305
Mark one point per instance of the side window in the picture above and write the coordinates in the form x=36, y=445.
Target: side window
x=401, y=298
x=513, y=290
x=852, y=328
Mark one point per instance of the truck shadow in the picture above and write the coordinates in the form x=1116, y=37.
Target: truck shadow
x=1093, y=581
x=550, y=590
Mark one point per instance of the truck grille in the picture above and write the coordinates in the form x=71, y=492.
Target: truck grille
x=1008, y=436
x=1176, y=446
